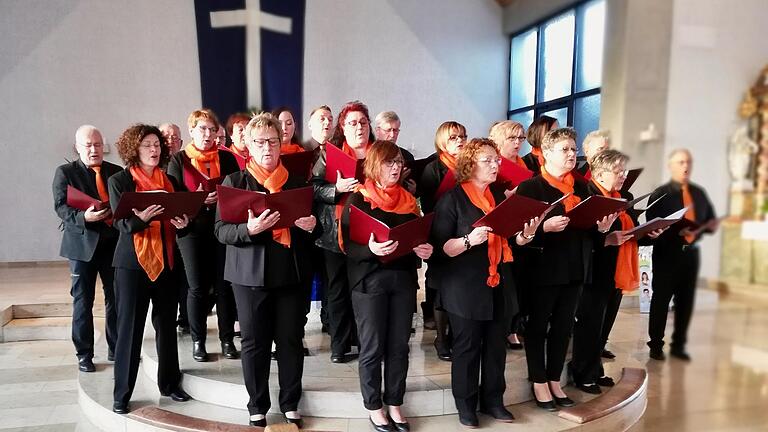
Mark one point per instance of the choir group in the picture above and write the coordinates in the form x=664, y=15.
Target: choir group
x=488, y=288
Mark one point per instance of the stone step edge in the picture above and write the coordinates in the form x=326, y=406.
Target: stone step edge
x=633, y=383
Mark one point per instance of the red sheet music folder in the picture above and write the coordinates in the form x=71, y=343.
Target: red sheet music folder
x=512, y=174
x=299, y=164
x=589, y=211
x=194, y=178
x=292, y=204
x=81, y=201
x=510, y=216
x=337, y=160
x=408, y=235
x=174, y=203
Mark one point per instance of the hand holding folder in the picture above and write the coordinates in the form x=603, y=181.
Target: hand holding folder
x=82, y=201
x=408, y=235
x=337, y=160
x=292, y=204
x=174, y=204
x=510, y=216
x=658, y=223
x=586, y=213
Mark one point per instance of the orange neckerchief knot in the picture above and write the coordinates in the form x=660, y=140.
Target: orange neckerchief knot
x=273, y=181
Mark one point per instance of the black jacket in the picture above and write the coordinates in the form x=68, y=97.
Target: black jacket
x=532, y=162
x=125, y=253
x=462, y=280
x=362, y=264
x=559, y=258
x=80, y=238
x=258, y=260
x=429, y=183
x=324, y=207
x=671, y=241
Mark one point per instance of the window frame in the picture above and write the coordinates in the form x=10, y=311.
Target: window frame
x=567, y=101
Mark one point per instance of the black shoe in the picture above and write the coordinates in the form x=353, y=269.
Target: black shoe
x=399, y=427
x=605, y=381
x=120, y=408
x=443, y=353
x=110, y=355
x=238, y=334
x=178, y=395
x=86, y=365
x=564, y=402
x=306, y=352
x=198, y=351
x=680, y=354
x=229, y=350
x=380, y=428
x=273, y=355
x=469, y=420
x=607, y=354
x=499, y=413
x=258, y=423
x=338, y=358
x=589, y=388
x=547, y=405
x=324, y=328
x=514, y=345
x=657, y=354
x=297, y=421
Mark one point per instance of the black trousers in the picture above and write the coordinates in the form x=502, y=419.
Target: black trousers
x=611, y=312
x=586, y=364
x=180, y=278
x=477, y=368
x=383, y=314
x=673, y=275
x=133, y=294
x=204, y=259
x=83, y=292
x=268, y=315
x=551, y=311
x=340, y=315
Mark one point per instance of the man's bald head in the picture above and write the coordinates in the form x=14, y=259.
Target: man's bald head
x=89, y=145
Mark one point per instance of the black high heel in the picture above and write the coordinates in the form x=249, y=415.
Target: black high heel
x=547, y=405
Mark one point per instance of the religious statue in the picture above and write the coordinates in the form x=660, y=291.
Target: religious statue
x=741, y=160
x=754, y=108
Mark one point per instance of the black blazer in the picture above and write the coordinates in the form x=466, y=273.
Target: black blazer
x=362, y=264
x=125, y=253
x=202, y=224
x=462, y=280
x=532, y=162
x=429, y=183
x=559, y=258
x=249, y=257
x=671, y=240
x=80, y=238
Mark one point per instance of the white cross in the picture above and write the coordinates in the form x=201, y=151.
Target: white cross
x=253, y=19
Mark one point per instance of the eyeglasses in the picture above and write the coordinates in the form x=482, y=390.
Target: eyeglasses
x=622, y=173
x=457, y=138
x=390, y=130
x=517, y=138
x=262, y=143
x=392, y=162
x=212, y=129
x=489, y=161
x=355, y=123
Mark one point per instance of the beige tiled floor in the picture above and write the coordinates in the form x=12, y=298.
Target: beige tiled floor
x=724, y=388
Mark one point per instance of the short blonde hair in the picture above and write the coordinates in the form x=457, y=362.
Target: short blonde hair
x=501, y=129
x=262, y=120
x=202, y=114
x=444, y=132
x=555, y=136
x=607, y=160
x=465, y=161
x=595, y=137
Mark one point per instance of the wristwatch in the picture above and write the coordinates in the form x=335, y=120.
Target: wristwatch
x=467, y=244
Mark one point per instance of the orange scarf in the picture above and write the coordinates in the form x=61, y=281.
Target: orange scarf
x=199, y=159
x=274, y=182
x=149, y=242
x=394, y=199
x=537, y=152
x=627, y=276
x=690, y=214
x=498, y=247
x=242, y=153
x=565, y=186
x=290, y=148
x=519, y=161
x=448, y=160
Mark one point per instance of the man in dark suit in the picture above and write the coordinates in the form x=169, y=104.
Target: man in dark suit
x=88, y=241
x=676, y=254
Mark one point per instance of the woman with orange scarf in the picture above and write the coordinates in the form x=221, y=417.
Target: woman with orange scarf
x=267, y=268
x=290, y=142
x=560, y=265
x=203, y=255
x=536, y=132
x=476, y=286
x=383, y=295
x=353, y=135
x=450, y=137
x=143, y=264
x=615, y=271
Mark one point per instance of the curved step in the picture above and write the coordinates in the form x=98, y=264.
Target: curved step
x=632, y=385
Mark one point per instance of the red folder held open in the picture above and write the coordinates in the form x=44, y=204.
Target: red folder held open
x=194, y=178
x=292, y=204
x=299, y=164
x=512, y=174
x=509, y=217
x=175, y=204
x=589, y=211
x=337, y=160
x=408, y=235
x=82, y=201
